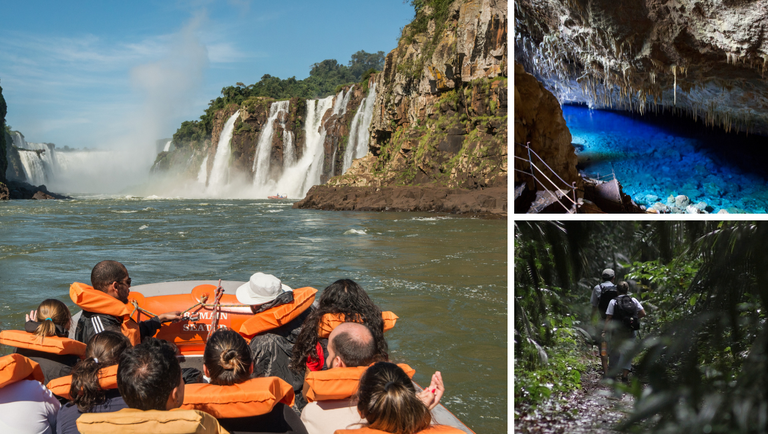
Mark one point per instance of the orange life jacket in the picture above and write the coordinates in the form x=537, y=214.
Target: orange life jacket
x=51, y=344
x=332, y=320
x=61, y=386
x=190, y=336
x=15, y=367
x=279, y=315
x=93, y=300
x=338, y=383
x=434, y=429
x=253, y=397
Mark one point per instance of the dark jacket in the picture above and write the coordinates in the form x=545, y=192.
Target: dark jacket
x=272, y=350
x=52, y=365
x=91, y=323
x=69, y=413
x=282, y=419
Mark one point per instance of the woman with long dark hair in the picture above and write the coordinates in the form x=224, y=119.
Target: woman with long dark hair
x=388, y=401
x=345, y=298
x=86, y=393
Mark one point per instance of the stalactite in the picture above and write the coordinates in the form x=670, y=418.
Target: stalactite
x=674, y=87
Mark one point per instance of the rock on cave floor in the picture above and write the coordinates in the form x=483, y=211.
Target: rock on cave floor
x=655, y=157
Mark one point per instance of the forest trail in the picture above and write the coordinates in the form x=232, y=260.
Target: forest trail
x=595, y=408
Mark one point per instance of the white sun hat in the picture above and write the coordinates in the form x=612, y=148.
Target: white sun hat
x=261, y=288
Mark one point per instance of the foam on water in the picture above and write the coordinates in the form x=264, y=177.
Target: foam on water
x=655, y=157
x=355, y=232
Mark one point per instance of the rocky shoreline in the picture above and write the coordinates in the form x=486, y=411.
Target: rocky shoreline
x=486, y=202
x=23, y=190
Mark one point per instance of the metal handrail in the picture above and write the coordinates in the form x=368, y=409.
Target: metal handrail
x=532, y=166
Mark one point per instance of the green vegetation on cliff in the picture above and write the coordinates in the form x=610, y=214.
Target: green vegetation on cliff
x=324, y=79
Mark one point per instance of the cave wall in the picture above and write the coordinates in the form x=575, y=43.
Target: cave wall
x=703, y=59
x=539, y=121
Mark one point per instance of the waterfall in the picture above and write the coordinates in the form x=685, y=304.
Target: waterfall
x=315, y=133
x=357, y=145
x=202, y=174
x=37, y=159
x=299, y=175
x=261, y=166
x=167, y=146
x=289, y=151
x=339, y=110
x=220, y=171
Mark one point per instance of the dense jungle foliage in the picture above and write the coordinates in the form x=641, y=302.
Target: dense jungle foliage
x=701, y=357
x=325, y=78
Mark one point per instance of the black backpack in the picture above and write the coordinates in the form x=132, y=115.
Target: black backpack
x=606, y=295
x=625, y=310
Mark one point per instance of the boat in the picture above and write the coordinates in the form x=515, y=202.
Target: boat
x=277, y=197
x=195, y=298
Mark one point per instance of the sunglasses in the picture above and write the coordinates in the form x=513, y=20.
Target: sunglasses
x=126, y=282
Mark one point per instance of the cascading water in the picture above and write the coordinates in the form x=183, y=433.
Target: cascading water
x=261, y=166
x=300, y=176
x=167, y=146
x=289, y=151
x=202, y=174
x=357, y=146
x=220, y=171
x=340, y=110
x=37, y=159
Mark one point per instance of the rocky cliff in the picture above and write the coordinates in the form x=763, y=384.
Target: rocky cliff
x=440, y=117
x=3, y=157
x=441, y=113
x=702, y=59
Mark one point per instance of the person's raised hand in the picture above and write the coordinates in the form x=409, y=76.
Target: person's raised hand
x=432, y=394
x=32, y=315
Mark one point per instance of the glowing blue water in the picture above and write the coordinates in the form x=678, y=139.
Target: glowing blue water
x=654, y=158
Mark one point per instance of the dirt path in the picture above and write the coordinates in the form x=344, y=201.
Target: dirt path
x=596, y=408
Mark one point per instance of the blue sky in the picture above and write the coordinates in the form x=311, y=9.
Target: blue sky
x=114, y=74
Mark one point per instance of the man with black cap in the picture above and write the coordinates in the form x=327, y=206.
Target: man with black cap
x=602, y=295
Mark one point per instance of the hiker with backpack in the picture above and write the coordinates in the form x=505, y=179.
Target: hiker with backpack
x=602, y=294
x=622, y=320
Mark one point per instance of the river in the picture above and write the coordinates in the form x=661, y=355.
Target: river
x=444, y=276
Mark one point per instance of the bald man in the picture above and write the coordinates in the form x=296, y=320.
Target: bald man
x=349, y=345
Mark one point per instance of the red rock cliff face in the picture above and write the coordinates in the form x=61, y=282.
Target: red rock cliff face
x=704, y=59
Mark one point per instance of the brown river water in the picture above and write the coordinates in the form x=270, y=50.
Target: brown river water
x=444, y=276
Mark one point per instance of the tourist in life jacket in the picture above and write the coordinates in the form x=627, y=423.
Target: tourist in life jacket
x=602, y=294
x=227, y=361
x=350, y=345
x=26, y=406
x=343, y=297
x=111, y=278
x=388, y=401
x=271, y=350
x=620, y=314
x=86, y=393
x=50, y=320
x=150, y=382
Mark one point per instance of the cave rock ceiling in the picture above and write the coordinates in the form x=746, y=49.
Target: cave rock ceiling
x=703, y=59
